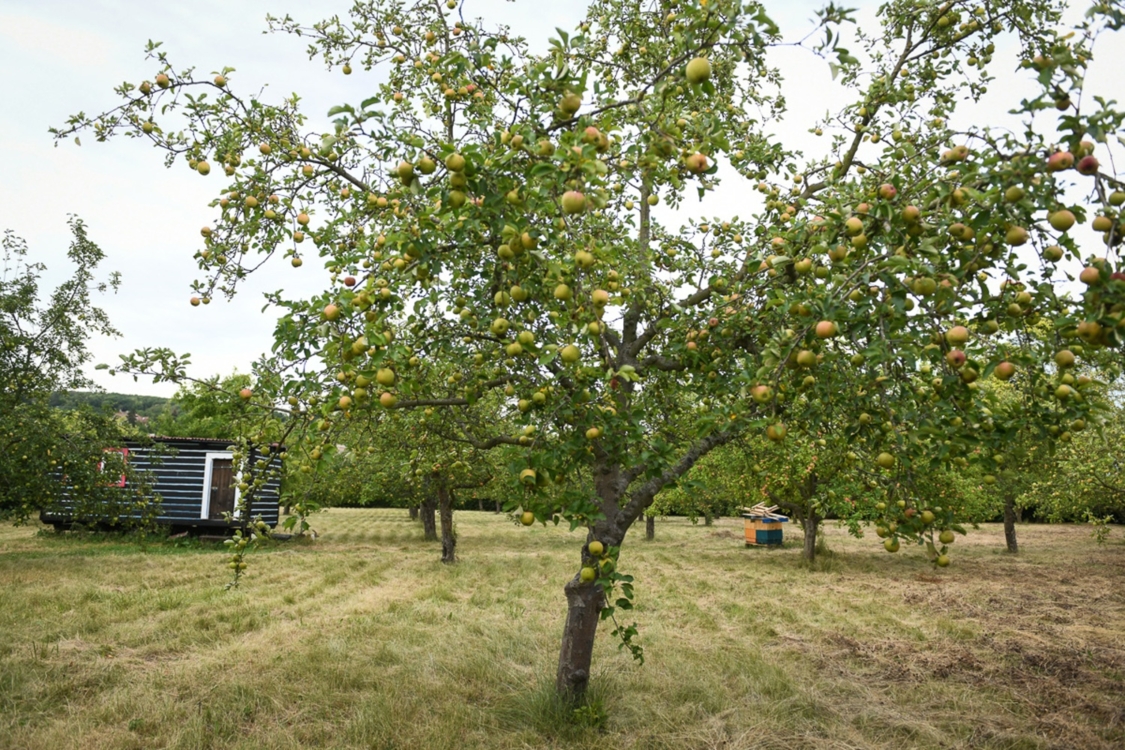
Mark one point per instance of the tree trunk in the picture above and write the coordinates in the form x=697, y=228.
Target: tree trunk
x=584, y=603
x=448, y=537
x=810, y=523
x=650, y=528
x=1010, y=524
x=498, y=507
x=708, y=519
x=429, y=525
x=413, y=512
x=480, y=504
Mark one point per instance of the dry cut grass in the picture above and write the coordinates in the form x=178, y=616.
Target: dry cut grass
x=363, y=639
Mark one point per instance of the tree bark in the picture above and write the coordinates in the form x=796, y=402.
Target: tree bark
x=498, y=508
x=650, y=528
x=584, y=602
x=429, y=525
x=1010, y=524
x=448, y=537
x=809, y=524
x=708, y=519
x=413, y=512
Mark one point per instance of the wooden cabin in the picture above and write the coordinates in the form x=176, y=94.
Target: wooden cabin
x=193, y=478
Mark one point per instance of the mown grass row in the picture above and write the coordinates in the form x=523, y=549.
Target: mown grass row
x=363, y=639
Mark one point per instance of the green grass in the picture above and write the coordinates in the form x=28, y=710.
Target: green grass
x=364, y=639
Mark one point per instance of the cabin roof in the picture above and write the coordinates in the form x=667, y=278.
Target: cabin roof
x=216, y=441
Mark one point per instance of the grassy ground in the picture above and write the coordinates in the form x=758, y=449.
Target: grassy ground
x=363, y=639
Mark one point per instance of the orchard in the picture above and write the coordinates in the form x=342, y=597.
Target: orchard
x=520, y=253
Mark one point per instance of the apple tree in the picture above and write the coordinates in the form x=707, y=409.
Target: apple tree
x=540, y=229
x=54, y=459
x=209, y=407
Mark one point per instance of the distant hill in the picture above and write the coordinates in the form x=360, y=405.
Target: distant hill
x=136, y=409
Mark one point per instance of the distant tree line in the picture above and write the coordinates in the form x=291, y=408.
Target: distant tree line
x=146, y=408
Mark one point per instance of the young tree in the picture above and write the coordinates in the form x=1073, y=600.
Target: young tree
x=487, y=218
x=53, y=459
x=210, y=407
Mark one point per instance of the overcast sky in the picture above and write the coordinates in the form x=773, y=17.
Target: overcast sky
x=64, y=56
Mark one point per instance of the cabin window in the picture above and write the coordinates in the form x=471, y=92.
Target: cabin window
x=220, y=487
x=124, y=459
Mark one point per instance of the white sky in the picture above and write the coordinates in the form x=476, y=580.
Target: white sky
x=64, y=56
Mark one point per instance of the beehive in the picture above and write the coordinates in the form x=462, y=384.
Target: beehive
x=763, y=531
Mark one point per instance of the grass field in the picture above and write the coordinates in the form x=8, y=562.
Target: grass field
x=363, y=639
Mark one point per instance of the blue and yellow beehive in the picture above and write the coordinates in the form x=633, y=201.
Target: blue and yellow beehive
x=763, y=527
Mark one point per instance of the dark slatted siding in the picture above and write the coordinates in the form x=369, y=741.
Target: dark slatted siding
x=175, y=470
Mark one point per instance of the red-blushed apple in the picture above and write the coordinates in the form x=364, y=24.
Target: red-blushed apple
x=826, y=329
x=1004, y=371
x=195, y=301
x=331, y=312
x=1090, y=275
x=911, y=214
x=696, y=163
x=245, y=394
x=349, y=281
x=388, y=400
x=1087, y=165
x=1059, y=161
x=956, y=358
x=887, y=191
